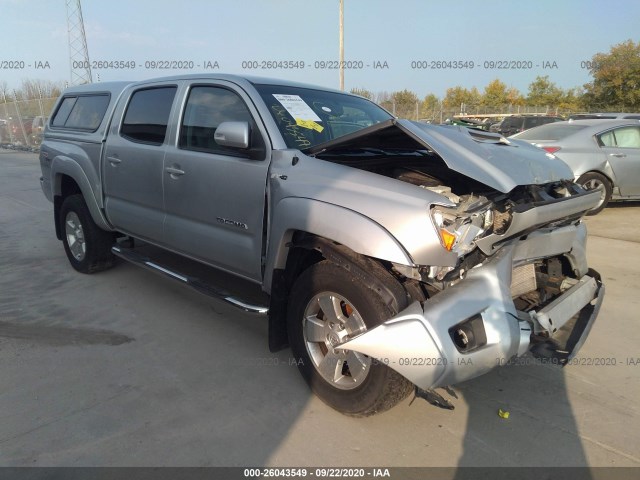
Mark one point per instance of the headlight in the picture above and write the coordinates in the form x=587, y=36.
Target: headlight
x=458, y=228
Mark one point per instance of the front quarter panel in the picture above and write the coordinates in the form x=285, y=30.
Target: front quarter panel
x=369, y=213
x=329, y=221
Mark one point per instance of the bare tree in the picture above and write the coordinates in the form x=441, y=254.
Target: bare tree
x=33, y=89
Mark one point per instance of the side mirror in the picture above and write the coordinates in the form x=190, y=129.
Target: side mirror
x=232, y=134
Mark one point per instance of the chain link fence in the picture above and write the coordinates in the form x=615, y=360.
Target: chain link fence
x=440, y=113
x=22, y=121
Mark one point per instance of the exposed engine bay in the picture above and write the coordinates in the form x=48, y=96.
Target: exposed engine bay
x=479, y=210
x=480, y=213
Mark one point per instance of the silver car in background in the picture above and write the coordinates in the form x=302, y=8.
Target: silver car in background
x=603, y=116
x=603, y=154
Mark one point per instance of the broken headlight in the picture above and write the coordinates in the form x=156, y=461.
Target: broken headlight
x=459, y=227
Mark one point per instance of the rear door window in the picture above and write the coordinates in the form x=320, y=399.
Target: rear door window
x=147, y=115
x=624, y=137
x=627, y=137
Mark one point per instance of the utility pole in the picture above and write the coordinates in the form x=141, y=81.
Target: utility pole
x=24, y=133
x=40, y=103
x=342, y=45
x=78, y=51
x=6, y=115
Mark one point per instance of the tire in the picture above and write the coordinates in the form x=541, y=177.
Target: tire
x=350, y=382
x=596, y=181
x=87, y=246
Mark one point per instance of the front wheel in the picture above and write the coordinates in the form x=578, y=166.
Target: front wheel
x=87, y=246
x=327, y=307
x=596, y=181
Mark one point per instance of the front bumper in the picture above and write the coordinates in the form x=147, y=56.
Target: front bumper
x=418, y=342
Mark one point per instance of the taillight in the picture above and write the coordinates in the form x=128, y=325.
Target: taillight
x=551, y=149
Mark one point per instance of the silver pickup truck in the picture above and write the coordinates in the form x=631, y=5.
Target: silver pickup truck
x=393, y=255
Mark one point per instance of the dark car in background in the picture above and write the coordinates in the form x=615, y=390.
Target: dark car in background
x=22, y=134
x=21, y=131
x=495, y=127
x=603, y=154
x=519, y=123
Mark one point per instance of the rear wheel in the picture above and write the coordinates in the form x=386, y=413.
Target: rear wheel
x=596, y=181
x=87, y=246
x=328, y=306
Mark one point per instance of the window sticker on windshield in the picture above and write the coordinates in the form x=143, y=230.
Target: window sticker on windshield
x=297, y=107
x=309, y=124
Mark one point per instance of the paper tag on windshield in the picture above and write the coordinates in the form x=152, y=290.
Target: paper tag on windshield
x=297, y=107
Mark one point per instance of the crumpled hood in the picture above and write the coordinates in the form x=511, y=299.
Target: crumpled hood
x=486, y=157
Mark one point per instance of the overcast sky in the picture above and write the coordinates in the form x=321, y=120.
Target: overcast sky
x=562, y=33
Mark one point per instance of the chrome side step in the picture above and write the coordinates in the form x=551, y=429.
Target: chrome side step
x=207, y=289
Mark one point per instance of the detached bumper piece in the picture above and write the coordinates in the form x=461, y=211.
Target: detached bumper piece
x=474, y=326
x=572, y=329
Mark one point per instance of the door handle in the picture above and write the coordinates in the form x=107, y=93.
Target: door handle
x=174, y=171
x=618, y=155
x=114, y=160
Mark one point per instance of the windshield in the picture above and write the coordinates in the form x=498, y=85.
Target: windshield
x=308, y=117
x=551, y=131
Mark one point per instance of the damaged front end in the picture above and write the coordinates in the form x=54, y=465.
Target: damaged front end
x=510, y=217
x=522, y=289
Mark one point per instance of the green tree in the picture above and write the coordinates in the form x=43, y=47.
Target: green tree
x=402, y=103
x=514, y=97
x=616, y=78
x=475, y=98
x=571, y=99
x=543, y=92
x=363, y=92
x=495, y=94
x=384, y=100
x=405, y=102
x=459, y=98
x=430, y=107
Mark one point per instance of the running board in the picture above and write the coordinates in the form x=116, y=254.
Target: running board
x=198, y=285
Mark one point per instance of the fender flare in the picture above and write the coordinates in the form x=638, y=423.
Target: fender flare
x=346, y=227
x=62, y=165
